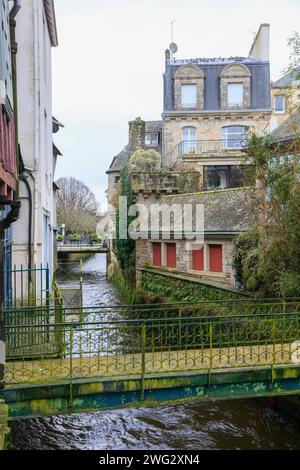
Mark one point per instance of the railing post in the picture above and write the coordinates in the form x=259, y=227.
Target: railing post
x=71, y=368
x=143, y=365
x=210, y=352
x=274, y=340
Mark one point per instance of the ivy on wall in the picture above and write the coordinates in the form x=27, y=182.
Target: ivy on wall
x=179, y=290
x=126, y=247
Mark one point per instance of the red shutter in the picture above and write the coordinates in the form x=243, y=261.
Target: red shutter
x=198, y=260
x=171, y=255
x=156, y=250
x=216, y=258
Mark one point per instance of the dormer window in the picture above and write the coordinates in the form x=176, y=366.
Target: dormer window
x=235, y=94
x=188, y=87
x=235, y=82
x=189, y=95
x=151, y=139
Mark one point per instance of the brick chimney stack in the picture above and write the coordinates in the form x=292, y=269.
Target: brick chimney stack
x=136, y=134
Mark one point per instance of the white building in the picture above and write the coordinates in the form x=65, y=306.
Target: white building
x=34, y=232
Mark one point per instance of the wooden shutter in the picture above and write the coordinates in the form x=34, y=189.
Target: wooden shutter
x=216, y=258
x=198, y=259
x=171, y=255
x=156, y=251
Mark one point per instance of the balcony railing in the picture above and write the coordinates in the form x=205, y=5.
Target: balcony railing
x=201, y=147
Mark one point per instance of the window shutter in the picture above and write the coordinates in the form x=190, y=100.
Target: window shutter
x=156, y=250
x=171, y=255
x=198, y=259
x=216, y=258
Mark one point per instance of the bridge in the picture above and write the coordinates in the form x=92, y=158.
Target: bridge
x=82, y=248
x=111, y=357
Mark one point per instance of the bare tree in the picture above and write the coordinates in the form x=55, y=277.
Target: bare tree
x=76, y=206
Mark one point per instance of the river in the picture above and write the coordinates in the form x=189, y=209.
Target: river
x=236, y=424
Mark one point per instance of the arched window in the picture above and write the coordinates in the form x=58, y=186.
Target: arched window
x=233, y=137
x=189, y=141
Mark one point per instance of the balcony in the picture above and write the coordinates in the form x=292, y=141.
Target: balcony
x=187, y=150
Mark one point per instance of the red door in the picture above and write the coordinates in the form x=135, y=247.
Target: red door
x=171, y=255
x=156, y=251
x=198, y=260
x=216, y=258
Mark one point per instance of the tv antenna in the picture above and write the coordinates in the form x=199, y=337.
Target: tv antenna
x=173, y=46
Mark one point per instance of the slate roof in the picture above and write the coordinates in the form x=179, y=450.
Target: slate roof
x=212, y=69
x=288, y=130
x=287, y=79
x=226, y=211
x=120, y=160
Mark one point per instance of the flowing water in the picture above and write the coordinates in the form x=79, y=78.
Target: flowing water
x=239, y=424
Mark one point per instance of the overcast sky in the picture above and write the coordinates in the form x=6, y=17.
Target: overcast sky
x=108, y=67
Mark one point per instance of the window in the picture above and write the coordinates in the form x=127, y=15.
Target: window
x=198, y=259
x=189, y=140
x=279, y=104
x=221, y=176
x=216, y=258
x=233, y=136
x=156, y=252
x=189, y=95
x=235, y=93
x=151, y=139
x=171, y=255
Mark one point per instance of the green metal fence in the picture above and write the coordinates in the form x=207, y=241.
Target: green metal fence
x=76, y=350
x=26, y=286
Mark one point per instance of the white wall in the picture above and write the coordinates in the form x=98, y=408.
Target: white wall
x=35, y=128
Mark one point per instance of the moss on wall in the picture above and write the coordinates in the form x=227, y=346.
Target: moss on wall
x=178, y=290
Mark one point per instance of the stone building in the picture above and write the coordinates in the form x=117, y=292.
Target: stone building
x=34, y=233
x=285, y=97
x=210, y=105
x=226, y=214
x=142, y=135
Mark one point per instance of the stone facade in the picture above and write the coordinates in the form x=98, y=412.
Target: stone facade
x=212, y=132
x=144, y=259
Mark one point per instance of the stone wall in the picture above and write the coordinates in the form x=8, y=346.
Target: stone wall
x=209, y=127
x=184, y=260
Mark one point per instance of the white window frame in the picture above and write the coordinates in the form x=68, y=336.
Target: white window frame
x=230, y=87
x=150, y=143
x=186, y=104
x=283, y=104
x=233, y=143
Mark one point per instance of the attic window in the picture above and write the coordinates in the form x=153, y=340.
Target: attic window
x=189, y=95
x=151, y=139
x=235, y=93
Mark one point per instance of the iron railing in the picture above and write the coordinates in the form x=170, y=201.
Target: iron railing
x=26, y=286
x=199, y=147
x=127, y=348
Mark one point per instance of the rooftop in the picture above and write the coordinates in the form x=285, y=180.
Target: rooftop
x=214, y=60
x=225, y=210
x=288, y=130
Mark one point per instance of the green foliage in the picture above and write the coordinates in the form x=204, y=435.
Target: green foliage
x=267, y=257
x=178, y=290
x=144, y=160
x=59, y=238
x=126, y=247
x=75, y=236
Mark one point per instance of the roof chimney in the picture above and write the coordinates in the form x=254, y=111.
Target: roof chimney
x=260, y=48
x=136, y=134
